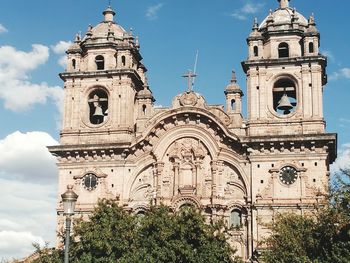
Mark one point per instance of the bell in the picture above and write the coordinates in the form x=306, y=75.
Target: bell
x=98, y=111
x=284, y=104
x=98, y=116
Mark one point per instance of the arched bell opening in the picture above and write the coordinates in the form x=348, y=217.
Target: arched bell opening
x=98, y=106
x=284, y=96
x=100, y=62
x=283, y=50
x=74, y=63
x=311, y=48
x=256, y=51
x=233, y=105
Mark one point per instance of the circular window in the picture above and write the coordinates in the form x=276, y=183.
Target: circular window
x=90, y=181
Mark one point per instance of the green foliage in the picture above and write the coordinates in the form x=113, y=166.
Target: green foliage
x=114, y=235
x=47, y=255
x=321, y=238
x=181, y=237
x=107, y=236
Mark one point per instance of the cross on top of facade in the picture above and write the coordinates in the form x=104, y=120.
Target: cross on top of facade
x=190, y=75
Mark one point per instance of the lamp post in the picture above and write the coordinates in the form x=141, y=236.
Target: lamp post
x=69, y=198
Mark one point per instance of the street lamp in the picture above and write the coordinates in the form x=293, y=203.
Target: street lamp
x=69, y=198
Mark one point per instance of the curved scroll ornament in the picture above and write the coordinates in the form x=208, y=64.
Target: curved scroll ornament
x=142, y=188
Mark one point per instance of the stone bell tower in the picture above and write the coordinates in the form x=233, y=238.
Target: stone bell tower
x=103, y=76
x=285, y=75
x=289, y=151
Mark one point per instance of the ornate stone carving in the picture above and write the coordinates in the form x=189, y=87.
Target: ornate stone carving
x=188, y=99
x=185, y=166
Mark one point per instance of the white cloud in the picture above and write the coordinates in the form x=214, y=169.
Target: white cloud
x=62, y=61
x=343, y=73
x=152, y=11
x=248, y=9
x=23, y=241
x=28, y=215
x=18, y=93
x=25, y=157
x=3, y=29
x=343, y=160
x=28, y=176
x=61, y=47
x=328, y=54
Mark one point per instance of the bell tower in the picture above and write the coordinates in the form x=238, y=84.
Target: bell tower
x=103, y=77
x=285, y=75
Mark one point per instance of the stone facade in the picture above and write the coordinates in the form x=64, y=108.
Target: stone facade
x=115, y=144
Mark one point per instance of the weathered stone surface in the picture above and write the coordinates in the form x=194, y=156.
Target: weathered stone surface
x=193, y=153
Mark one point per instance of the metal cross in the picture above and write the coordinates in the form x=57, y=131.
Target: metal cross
x=190, y=76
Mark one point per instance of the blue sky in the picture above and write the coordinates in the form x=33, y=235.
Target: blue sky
x=170, y=32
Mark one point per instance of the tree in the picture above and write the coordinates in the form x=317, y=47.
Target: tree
x=113, y=235
x=321, y=238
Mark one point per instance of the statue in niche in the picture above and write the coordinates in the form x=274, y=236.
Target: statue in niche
x=98, y=105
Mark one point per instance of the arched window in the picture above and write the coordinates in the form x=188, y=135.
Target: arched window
x=74, y=63
x=236, y=218
x=141, y=213
x=256, y=51
x=284, y=96
x=311, y=47
x=144, y=110
x=233, y=104
x=283, y=50
x=100, y=62
x=123, y=61
x=98, y=106
x=186, y=207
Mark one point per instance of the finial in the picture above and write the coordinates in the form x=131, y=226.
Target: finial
x=77, y=38
x=234, y=77
x=312, y=20
x=89, y=31
x=284, y=4
x=109, y=14
x=255, y=24
x=131, y=31
x=270, y=18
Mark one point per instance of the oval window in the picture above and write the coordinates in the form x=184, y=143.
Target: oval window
x=98, y=106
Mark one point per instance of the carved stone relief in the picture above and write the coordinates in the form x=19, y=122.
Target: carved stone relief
x=142, y=188
x=233, y=183
x=186, y=168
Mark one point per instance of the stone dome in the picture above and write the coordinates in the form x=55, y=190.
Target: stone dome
x=103, y=29
x=283, y=16
x=107, y=27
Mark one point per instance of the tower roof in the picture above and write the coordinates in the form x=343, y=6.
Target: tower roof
x=233, y=87
x=107, y=28
x=284, y=15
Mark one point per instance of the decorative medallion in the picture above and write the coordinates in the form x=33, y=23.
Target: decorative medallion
x=188, y=99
